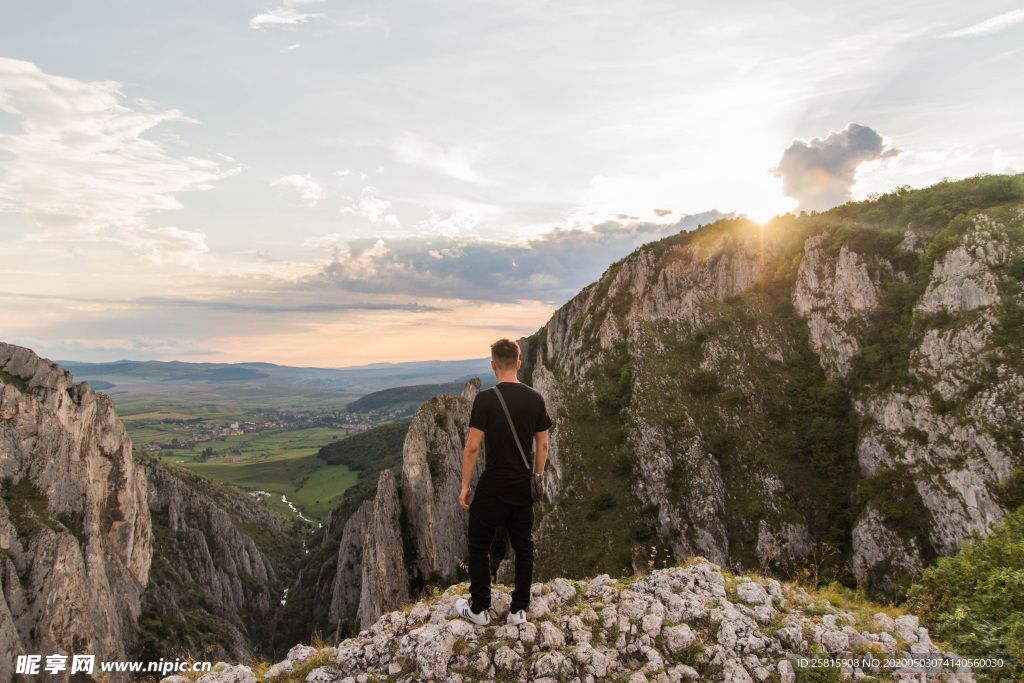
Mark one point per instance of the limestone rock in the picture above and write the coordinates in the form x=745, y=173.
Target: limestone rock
x=74, y=525
x=432, y=481
x=348, y=575
x=203, y=553
x=834, y=293
x=384, y=582
x=431, y=647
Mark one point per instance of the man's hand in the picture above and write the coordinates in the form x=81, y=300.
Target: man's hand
x=469, y=456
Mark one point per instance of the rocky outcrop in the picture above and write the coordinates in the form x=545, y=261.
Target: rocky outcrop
x=834, y=292
x=680, y=624
x=205, y=569
x=74, y=525
x=384, y=584
x=879, y=553
x=431, y=482
x=348, y=577
x=963, y=279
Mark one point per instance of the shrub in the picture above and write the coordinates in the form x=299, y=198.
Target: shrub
x=623, y=462
x=974, y=599
x=1011, y=491
x=703, y=383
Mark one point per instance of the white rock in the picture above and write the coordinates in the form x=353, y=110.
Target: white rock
x=651, y=625
x=506, y=659
x=679, y=638
x=686, y=673
x=884, y=622
x=551, y=637
x=906, y=627
x=733, y=672
x=835, y=641
x=563, y=589
x=278, y=669
x=229, y=674
x=752, y=593
x=301, y=653
x=324, y=674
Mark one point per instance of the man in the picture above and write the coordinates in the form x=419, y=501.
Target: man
x=503, y=493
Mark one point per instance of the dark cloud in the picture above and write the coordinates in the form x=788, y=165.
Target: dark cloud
x=553, y=267
x=820, y=173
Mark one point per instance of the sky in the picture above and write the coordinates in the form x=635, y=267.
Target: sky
x=327, y=183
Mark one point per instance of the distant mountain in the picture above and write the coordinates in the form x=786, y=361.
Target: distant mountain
x=414, y=395
x=140, y=376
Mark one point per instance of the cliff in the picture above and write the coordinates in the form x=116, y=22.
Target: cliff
x=845, y=382
x=117, y=555
x=220, y=566
x=74, y=527
x=413, y=533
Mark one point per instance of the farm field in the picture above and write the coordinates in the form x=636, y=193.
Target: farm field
x=280, y=463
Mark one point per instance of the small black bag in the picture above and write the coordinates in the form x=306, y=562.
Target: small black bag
x=536, y=480
x=536, y=486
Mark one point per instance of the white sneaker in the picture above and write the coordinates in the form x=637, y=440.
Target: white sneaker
x=479, y=618
x=516, y=618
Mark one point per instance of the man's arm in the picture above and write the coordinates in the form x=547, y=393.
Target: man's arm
x=540, y=440
x=469, y=456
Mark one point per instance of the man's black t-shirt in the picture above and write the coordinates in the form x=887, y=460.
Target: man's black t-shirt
x=506, y=477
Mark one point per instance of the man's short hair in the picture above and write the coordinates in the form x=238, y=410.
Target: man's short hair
x=505, y=354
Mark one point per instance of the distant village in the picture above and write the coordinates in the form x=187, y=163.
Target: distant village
x=195, y=431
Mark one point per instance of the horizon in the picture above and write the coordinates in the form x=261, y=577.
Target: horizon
x=61, y=361
x=303, y=181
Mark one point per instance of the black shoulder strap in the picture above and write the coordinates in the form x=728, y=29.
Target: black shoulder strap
x=512, y=426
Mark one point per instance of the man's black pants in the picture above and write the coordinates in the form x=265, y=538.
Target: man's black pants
x=485, y=515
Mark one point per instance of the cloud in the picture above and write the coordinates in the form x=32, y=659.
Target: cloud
x=238, y=306
x=550, y=268
x=1003, y=21
x=284, y=16
x=455, y=162
x=371, y=207
x=81, y=163
x=165, y=245
x=820, y=173
x=307, y=188
x=462, y=221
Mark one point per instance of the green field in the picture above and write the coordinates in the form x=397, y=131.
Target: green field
x=281, y=463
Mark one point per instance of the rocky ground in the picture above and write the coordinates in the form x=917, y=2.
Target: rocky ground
x=679, y=624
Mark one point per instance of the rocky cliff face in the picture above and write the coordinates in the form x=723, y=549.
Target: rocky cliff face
x=431, y=482
x=953, y=431
x=213, y=589
x=415, y=532
x=751, y=393
x=384, y=581
x=74, y=526
x=348, y=578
